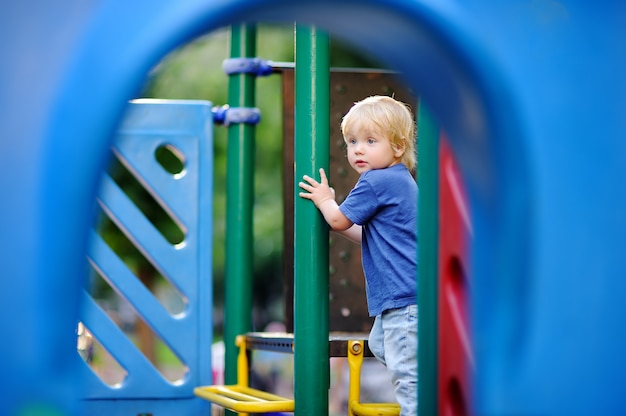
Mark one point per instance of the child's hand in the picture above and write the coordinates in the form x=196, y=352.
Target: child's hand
x=323, y=196
x=318, y=192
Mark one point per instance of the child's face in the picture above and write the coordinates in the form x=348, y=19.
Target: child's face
x=368, y=148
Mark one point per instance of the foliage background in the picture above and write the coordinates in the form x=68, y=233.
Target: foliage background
x=195, y=72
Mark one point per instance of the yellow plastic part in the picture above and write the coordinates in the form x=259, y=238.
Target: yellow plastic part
x=241, y=398
x=355, y=407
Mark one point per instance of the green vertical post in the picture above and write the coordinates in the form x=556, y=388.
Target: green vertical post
x=239, y=204
x=428, y=225
x=312, y=116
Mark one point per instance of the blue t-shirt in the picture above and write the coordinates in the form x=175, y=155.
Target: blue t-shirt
x=384, y=203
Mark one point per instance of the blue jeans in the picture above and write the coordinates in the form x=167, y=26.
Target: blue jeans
x=393, y=341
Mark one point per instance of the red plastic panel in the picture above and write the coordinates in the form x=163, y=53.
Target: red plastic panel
x=455, y=353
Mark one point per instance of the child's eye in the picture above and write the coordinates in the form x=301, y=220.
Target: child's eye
x=371, y=141
x=351, y=141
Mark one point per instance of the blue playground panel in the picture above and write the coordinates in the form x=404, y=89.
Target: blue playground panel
x=186, y=129
x=531, y=94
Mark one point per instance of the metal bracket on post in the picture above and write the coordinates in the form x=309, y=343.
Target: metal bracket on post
x=226, y=115
x=256, y=66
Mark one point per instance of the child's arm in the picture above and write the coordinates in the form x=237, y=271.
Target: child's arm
x=323, y=196
x=353, y=233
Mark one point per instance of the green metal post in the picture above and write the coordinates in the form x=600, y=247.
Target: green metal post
x=428, y=144
x=312, y=116
x=239, y=204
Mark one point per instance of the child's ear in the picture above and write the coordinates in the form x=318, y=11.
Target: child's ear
x=399, y=148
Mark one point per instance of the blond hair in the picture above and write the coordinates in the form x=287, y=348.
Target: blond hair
x=392, y=117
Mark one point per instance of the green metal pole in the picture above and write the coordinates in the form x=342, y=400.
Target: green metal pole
x=239, y=205
x=312, y=116
x=428, y=145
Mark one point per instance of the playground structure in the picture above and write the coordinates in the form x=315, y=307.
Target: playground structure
x=343, y=293
x=504, y=80
x=184, y=128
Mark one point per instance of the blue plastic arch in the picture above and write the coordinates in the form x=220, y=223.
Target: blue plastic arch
x=531, y=94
